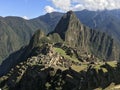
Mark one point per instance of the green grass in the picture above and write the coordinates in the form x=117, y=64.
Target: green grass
x=62, y=52
x=83, y=66
x=79, y=68
x=112, y=63
x=97, y=67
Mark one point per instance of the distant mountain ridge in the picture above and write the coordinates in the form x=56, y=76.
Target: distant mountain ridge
x=71, y=33
x=75, y=34
x=22, y=30
x=72, y=57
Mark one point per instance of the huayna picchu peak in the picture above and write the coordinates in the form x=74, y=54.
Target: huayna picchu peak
x=72, y=57
x=79, y=36
x=67, y=21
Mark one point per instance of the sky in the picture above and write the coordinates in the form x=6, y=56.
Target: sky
x=33, y=8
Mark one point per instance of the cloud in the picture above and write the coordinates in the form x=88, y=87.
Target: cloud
x=62, y=4
x=101, y=4
x=76, y=5
x=25, y=17
x=49, y=9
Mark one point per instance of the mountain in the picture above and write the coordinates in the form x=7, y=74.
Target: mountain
x=16, y=32
x=106, y=21
x=19, y=31
x=22, y=30
x=13, y=35
x=75, y=34
x=71, y=33
x=55, y=61
x=51, y=70
x=9, y=40
x=51, y=19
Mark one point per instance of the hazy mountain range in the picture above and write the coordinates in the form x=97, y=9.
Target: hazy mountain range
x=16, y=32
x=72, y=56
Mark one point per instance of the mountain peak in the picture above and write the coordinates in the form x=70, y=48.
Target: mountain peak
x=70, y=15
x=36, y=37
x=68, y=22
x=79, y=36
x=70, y=12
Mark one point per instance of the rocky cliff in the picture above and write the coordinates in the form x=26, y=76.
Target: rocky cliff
x=48, y=68
x=79, y=36
x=70, y=58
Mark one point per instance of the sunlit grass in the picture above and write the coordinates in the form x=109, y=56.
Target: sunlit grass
x=79, y=68
x=62, y=52
x=112, y=63
x=84, y=66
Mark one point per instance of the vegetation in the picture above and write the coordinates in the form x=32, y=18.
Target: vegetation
x=21, y=30
x=84, y=39
x=41, y=62
x=63, y=53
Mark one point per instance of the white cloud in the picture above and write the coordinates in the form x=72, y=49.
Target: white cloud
x=78, y=7
x=62, y=4
x=66, y=5
x=25, y=17
x=101, y=4
x=49, y=9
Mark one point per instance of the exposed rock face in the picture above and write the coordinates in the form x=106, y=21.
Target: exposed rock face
x=45, y=72
x=38, y=39
x=75, y=34
x=56, y=62
x=37, y=69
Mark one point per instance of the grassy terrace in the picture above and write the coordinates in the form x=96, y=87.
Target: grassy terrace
x=79, y=68
x=62, y=52
x=73, y=58
x=84, y=65
x=112, y=63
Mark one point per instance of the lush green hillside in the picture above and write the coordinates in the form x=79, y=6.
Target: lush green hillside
x=77, y=35
x=81, y=40
x=9, y=41
x=56, y=66
x=16, y=32
x=22, y=30
x=106, y=21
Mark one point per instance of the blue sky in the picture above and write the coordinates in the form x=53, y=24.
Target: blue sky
x=28, y=8
x=34, y=8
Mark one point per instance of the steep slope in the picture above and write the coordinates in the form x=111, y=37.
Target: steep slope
x=51, y=19
x=19, y=55
x=48, y=66
x=23, y=30
x=107, y=21
x=21, y=27
x=9, y=41
x=52, y=71
x=36, y=46
x=16, y=32
x=72, y=33
x=76, y=35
